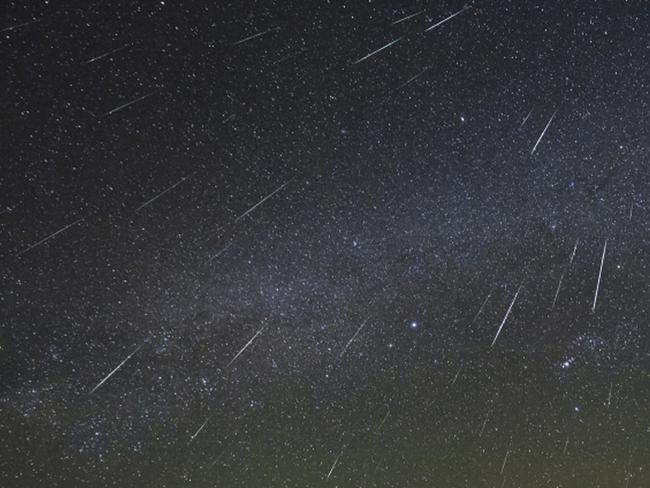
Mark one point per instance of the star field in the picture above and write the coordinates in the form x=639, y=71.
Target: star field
x=324, y=243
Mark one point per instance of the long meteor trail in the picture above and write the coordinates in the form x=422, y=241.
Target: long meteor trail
x=353, y=337
x=127, y=104
x=250, y=38
x=162, y=193
x=557, y=292
x=263, y=200
x=446, y=19
x=399, y=21
x=507, y=314
x=543, y=132
x=199, y=430
x=600, y=274
x=334, y=465
x=378, y=50
x=108, y=53
x=51, y=236
x=246, y=345
x=116, y=368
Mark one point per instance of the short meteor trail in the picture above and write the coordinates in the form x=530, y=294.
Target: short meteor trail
x=18, y=26
x=573, y=254
x=162, y=193
x=543, y=132
x=106, y=54
x=353, y=337
x=128, y=104
x=263, y=200
x=557, y=292
x=249, y=38
x=526, y=118
x=220, y=253
x=378, y=50
x=483, y=426
x=482, y=307
x=609, y=397
x=507, y=314
x=199, y=430
x=413, y=78
x=456, y=376
x=383, y=420
x=566, y=444
x=51, y=236
x=505, y=460
x=334, y=465
x=115, y=370
x=246, y=346
x=406, y=18
x=600, y=274
x=217, y=459
x=447, y=19
x=89, y=111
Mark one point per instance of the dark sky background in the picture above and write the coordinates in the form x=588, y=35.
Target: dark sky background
x=407, y=213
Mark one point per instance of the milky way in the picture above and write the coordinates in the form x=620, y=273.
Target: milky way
x=321, y=243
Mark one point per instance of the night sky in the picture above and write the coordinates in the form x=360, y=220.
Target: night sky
x=325, y=244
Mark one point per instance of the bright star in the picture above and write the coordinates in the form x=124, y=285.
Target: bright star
x=567, y=363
